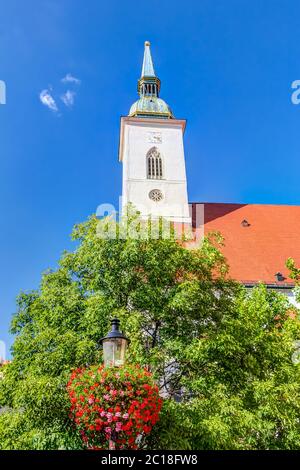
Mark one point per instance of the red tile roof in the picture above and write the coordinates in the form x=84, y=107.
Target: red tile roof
x=258, y=238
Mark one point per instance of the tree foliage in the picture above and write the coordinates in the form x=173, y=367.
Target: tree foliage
x=220, y=354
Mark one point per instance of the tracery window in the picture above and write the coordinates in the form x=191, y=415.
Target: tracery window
x=154, y=164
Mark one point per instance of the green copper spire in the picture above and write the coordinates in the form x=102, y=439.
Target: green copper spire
x=148, y=69
x=149, y=104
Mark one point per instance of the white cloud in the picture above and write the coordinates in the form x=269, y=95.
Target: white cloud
x=71, y=79
x=48, y=100
x=68, y=98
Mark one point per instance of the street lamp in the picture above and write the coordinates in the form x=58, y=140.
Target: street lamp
x=114, y=345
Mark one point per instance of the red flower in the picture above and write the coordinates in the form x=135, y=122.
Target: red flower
x=131, y=410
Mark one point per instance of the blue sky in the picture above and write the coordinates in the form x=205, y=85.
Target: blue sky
x=225, y=65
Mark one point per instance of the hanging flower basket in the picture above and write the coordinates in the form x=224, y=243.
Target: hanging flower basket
x=113, y=408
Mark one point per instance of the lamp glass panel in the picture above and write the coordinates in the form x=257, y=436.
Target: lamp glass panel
x=114, y=350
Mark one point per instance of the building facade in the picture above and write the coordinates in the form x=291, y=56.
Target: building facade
x=258, y=238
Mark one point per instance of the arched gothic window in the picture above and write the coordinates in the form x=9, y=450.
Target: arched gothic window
x=154, y=164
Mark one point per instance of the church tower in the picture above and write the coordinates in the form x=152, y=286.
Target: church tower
x=152, y=153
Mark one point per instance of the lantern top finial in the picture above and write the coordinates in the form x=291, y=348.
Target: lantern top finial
x=115, y=331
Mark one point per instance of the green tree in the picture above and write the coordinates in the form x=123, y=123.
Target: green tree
x=295, y=275
x=221, y=354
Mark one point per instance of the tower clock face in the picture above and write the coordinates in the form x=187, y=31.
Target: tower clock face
x=156, y=195
x=155, y=137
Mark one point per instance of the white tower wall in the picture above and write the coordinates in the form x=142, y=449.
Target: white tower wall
x=138, y=136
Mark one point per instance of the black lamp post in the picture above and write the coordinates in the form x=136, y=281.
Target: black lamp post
x=114, y=346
